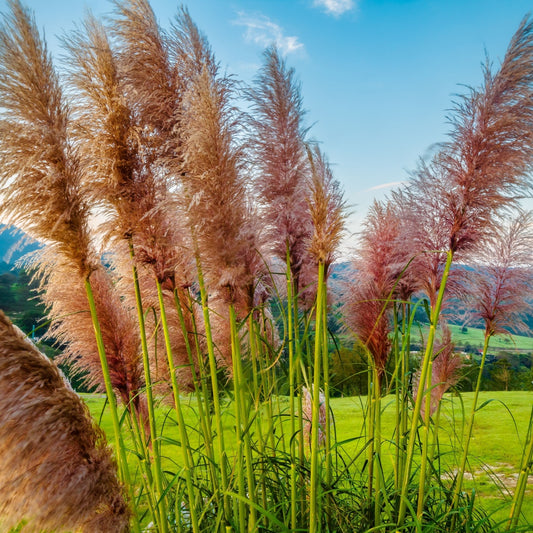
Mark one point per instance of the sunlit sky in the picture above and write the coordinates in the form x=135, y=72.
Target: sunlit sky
x=378, y=76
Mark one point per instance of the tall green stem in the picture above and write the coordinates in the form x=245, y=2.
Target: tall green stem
x=314, y=515
x=464, y=457
x=397, y=392
x=423, y=377
x=187, y=456
x=162, y=511
x=425, y=391
x=371, y=405
x=119, y=442
x=214, y=386
x=376, y=422
x=298, y=370
x=292, y=393
x=242, y=430
x=325, y=365
x=199, y=389
x=408, y=318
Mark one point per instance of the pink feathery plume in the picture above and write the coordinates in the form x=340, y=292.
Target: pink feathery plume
x=377, y=269
x=424, y=230
x=452, y=200
x=278, y=151
x=500, y=284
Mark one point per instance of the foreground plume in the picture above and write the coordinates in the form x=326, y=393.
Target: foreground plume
x=56, y=471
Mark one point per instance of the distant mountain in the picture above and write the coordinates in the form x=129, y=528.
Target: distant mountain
x=14, y=244
x=342, y=274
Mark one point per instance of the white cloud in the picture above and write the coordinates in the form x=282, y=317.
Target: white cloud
x=262, y=31
x=335, y=7
x=386, y=185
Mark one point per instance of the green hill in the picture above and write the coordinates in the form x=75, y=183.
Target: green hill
x=464, y=337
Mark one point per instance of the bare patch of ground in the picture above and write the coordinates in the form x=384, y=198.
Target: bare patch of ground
x=505, y=474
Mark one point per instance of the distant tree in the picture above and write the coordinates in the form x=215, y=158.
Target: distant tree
x=6, y=296
x=502, y=373
x=349, y=371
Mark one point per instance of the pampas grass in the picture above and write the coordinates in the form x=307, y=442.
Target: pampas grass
x=445, y=372
x=478, y=173
x=42, y=179
x=197, y=199
x=378, y=267
x=278, y=151
x=56, y=470
x=214, y=189
x=40, y=174
x=500, y=292
x=327, y=209
x=73, y=328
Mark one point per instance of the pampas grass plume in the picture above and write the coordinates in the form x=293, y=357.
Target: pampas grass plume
x=307, y=415
x=327, y=209
x=56, y=471
x=500, y=286
x=378, y=266
x=278, y=151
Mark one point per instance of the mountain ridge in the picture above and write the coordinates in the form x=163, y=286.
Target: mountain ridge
x=14, y=245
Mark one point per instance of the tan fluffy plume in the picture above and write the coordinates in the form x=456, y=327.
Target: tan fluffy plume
x=327, y=209
x=215, y=193
x=124, y=139
x=42, y=179
x=56, y=471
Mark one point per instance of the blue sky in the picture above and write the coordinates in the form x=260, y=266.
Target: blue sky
x=378, y=76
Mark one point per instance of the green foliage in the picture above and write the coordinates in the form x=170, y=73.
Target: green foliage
x=18, y=299
x=349, y=371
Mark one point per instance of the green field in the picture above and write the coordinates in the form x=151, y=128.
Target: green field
x=475, y=337
x=495, y=450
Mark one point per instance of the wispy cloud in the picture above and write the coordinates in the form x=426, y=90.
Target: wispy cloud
x=386, y=185
x=264, y=32
x=335, y=7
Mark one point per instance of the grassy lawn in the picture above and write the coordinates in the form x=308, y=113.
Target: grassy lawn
x=495, y=450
